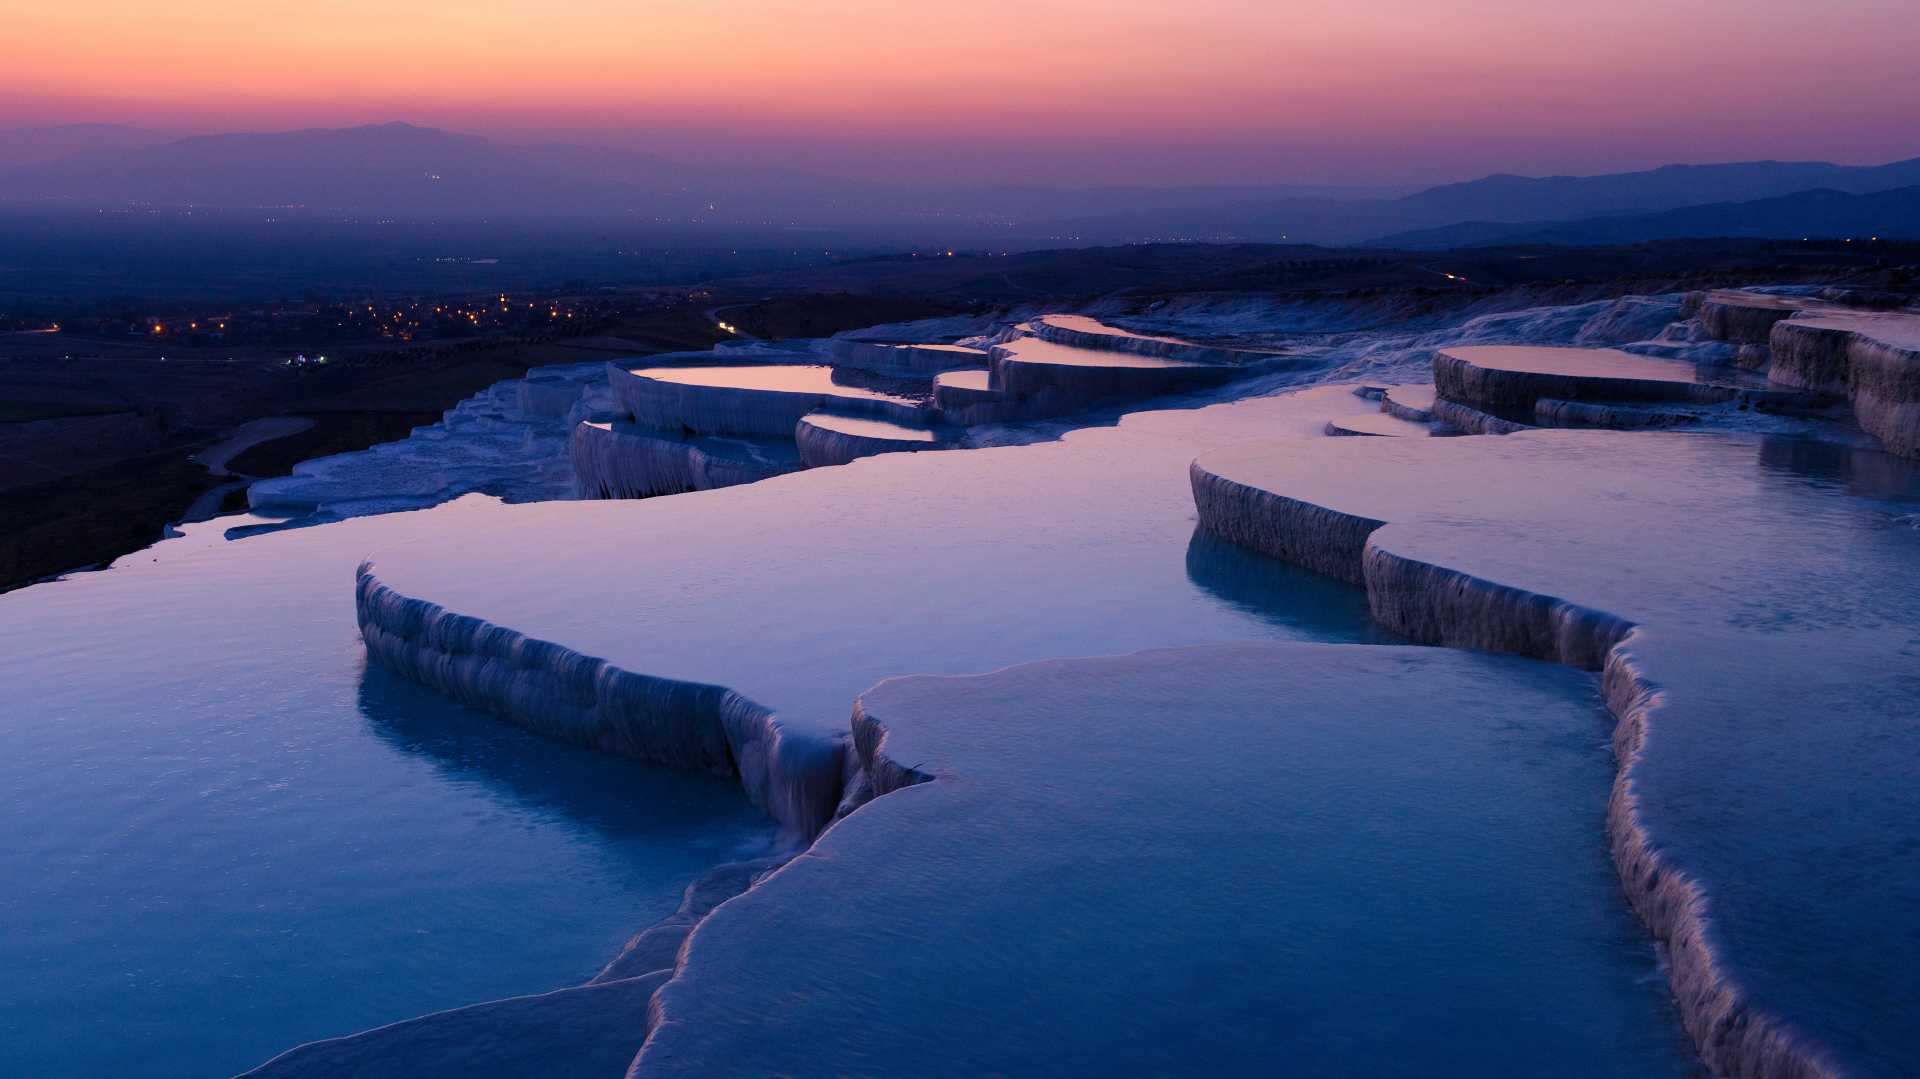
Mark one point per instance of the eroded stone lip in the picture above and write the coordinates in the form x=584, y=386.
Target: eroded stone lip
x=1605, y=368
x=1342, y=544
x=1872, y=358
x=769, y=378
x=1378, y=424
x=1028, y=846
x=1725, y=664
x=798, y=554
x=1086, y=332
x=876, y=397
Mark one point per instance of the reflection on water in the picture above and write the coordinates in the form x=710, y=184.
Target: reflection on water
x=617, y=800
x=868, y=428
x=224, y=836
x=1859, y=470
x=1034, y=350
x=781, y=377
x=1278, y=593
x=1604, y=363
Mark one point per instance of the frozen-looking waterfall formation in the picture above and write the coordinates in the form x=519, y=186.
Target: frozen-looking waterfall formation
x=1201, y=856
x=508, y=441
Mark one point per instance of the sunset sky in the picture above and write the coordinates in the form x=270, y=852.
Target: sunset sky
x=1083, y=90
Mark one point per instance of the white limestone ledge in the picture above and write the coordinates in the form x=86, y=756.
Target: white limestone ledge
x=1124, y=865
x=617, y=459
x=799, y=779
x=1081, y=331
x=904, y=359
x=1284, y=500
x=1873, y=359
x=1074, y=378
x=1496, y=377
x=738, y=411
x=827, y=439
x=1748, y=318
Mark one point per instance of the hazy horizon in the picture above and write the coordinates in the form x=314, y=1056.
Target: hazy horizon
x=1060, y=93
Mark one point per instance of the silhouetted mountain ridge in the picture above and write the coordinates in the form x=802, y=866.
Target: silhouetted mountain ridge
x=1822, y=213
x=402, y=170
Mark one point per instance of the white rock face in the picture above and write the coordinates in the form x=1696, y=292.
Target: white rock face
x=1556, y=413
x=616, y=459
x=669, y=677
x=1747, y=318
x=744, y=411
x=508, y=441
x=548, y=395
x=1773, y=659
x=798, y=781
x=1413, y=403
x=1037, y=827
x=910, y=360
x=1377, y=424
x=1079, y=331
x=826, y=439
x=1492, y=377
x=1871, y=358
x=1050, y=378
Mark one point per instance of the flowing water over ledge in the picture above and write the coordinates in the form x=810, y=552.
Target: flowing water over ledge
x=227, y=834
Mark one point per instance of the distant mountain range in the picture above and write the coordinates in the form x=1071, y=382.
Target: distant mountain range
x=1480, y=208
x=1821, y=213
x=404, y=171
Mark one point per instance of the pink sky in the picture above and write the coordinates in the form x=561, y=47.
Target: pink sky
x=1214, y=91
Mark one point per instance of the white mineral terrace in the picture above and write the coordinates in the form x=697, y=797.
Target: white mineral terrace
x=619, y=460
x=1871, y=358
x=1002, y=875
x=1408, y=402
x=980, y=381
x=1035, y=350
x=866, y=428
x=922, y=359
x=910, y=396
x=797, y=592
x=1083, y=331
x=1753, y=603
x=731, y=630
x=1377, y=423
x=825, y=438
x=1499, y=389
x=1196, y=862
x=1765, y=301
x=1597, y=363
x=1900, y=329
x=775, y=378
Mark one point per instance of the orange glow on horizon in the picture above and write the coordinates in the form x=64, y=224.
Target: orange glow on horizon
x=1377, y=73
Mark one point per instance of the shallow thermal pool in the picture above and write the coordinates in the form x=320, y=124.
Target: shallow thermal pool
x=1035, y=350
x=226, y=835
x=780, y=377
x=1603, y=363
x=870, y=428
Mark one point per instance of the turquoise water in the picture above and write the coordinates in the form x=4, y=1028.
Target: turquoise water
x=226, y=835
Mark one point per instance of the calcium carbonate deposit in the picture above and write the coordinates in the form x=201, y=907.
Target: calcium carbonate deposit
x=1141, y=727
